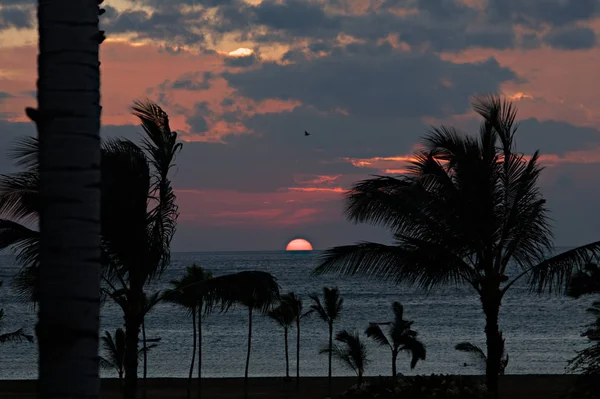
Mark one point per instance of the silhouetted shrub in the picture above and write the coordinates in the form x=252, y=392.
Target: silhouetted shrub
x=420, y=387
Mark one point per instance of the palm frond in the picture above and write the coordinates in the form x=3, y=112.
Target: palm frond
x=376, y=334
x=416, y=348
x=23, y=241
x=253, y=289
x=26, y=284
x=555, y=272
x=473, y=350
x=24, y=152
x=352, y=353
x=19, y=196
x=16, y=336
x=585, y=281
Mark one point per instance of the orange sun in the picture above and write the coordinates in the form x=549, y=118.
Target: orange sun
x=299, y=244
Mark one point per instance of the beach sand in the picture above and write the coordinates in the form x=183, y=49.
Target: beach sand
x=512, y=386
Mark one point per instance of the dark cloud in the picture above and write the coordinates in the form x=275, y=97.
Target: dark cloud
x=189, y=81
x=242, y=61
x=535, y=13
x=571, y=38
x=5, y=95
x=374, y=81
x=554, y=137
x=197, y=118
x=16, y=16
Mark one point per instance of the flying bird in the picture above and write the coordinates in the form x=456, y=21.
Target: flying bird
x=306, y=133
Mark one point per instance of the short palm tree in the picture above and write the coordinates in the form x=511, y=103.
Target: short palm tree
x=193, y=293
x=401, y=338
x=254, y=290
x=285, y=317
x=587, y=360
x=465, y=210
x=479, y=355
x=15, y=336
x=114, y=348
x=329, y=311
x=294, y=303
x=352, y=353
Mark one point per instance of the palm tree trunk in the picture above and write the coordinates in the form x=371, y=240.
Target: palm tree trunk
x=200, y=351
x=330, y=356
x=68, y=123
x=133, y=322
x=287, y=356
x=145, y=350
x=298, y=352
x=248, y=354
x=394, y=358
x=360, y=378
x=494, y=345
x=189, y=387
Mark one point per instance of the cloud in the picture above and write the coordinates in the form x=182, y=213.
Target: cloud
x=571, y=38
x=189, y=81
x=16, y=15
x=242, y=61
x=373, y=81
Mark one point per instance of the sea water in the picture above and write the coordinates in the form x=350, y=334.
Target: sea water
x=542, y=332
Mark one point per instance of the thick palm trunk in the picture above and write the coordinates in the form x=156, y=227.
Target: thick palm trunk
x=200, y=352
x=330, y=356
x=287, y=354
x=189, y=387
x=298, y=353
x=360, y=378
x=394, y=358
x=248, y=354
x=133, y=322
x=145, y=350
x=68, y=123
x=494, y=344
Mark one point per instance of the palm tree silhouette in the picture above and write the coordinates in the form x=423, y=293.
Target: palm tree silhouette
x=114, y=347
x=193, y=293
x=15, y=336
x=353, y=352
x=329, y=311
x=136, y=233
x=587, y=361
x=149, y=303
x=466, y=209
x=401, y=338
x=285, y=317
x=480, y=356
x=294, y=303
x=255, y=290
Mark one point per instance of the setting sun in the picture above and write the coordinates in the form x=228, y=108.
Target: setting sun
x=299, y=244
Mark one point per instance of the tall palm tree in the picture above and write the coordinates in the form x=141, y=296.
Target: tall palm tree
x=329, y=311
x=15, y=336
x=401, y=338
x=194, y=293
x=353, y=352
x=466, y=209
x=254, y=290
x=137, y=232
x=285, y=317
x=68, y=125
x=480, y=356
x=294, y=303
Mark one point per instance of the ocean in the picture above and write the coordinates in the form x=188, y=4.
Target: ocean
x=542, y=332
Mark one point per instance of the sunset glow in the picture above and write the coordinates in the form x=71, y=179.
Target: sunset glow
x=299, y=244
x=241, y=52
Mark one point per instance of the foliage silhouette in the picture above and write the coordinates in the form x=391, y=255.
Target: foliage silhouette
x=285, y=317
x=401, y=338
x=329, y=310
x=479, y=355
x=194, y=293
x=114, y=348
x=15, y=336
x=465, y=210
x=352, y=352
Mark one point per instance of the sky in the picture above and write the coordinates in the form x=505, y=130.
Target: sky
x=242, y=80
